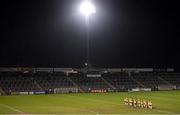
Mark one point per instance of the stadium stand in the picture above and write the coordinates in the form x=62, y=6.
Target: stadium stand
x=122, y=81
x=16, y=82
x=88, y=83
x=48, y=80
x=13, y=80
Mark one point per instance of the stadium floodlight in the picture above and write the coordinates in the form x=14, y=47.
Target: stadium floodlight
x=87, y=8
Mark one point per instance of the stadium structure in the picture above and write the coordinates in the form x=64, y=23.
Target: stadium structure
x=24, y=80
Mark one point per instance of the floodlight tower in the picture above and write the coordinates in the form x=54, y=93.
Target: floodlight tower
x=87, y=9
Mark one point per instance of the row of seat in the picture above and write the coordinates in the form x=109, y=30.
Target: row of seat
x=10, y=81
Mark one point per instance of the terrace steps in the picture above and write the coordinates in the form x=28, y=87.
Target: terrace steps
x=138, y=82
x=163, y=80
x=2, y=91
x=109, y=84
x=75, y=84
x=38, y=86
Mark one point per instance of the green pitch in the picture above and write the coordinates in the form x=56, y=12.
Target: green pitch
x=90, y=103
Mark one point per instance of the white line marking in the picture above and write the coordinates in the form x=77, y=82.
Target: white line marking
x=93, y=112
x=163, y=111
x=11, y=108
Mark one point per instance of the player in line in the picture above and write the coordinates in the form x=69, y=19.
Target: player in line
x=138, y=103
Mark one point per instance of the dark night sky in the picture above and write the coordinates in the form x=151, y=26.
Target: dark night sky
x=124, y=33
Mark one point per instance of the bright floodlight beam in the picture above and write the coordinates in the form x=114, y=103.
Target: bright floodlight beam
x=87, y=8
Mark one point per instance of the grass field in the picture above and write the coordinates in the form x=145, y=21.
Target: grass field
x=89, y=103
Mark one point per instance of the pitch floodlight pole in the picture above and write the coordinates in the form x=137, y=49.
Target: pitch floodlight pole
x=87, y=8
x=88, y=42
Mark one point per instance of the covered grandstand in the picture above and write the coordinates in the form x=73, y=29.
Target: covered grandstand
x=69, y=80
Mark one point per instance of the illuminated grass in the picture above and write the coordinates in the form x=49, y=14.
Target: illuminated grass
x=90, y=103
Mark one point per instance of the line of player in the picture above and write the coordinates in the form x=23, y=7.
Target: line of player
x=140, y=103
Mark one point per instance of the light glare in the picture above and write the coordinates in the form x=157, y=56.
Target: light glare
x=87, y=8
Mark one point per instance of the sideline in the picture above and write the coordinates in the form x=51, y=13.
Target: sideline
x=164, y=112
x=11, y=108
x=93, y=112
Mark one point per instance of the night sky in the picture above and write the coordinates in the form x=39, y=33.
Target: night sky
x=123, y=33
